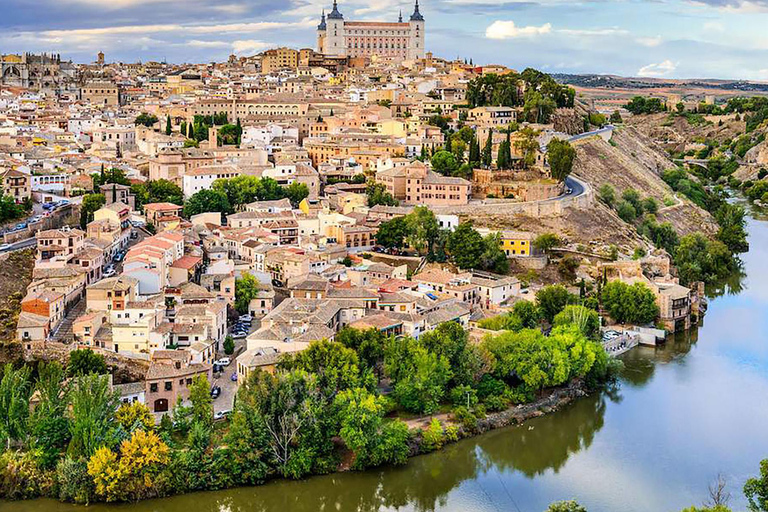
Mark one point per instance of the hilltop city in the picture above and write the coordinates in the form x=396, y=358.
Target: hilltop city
x=198, y=232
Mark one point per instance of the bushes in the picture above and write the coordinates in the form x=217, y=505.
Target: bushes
x=73, y=481
x=21, y=477
x=630, y=303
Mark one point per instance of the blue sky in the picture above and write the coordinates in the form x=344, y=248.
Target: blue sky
x=660, y=38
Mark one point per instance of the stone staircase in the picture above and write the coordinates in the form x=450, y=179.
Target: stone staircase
x=63, y=332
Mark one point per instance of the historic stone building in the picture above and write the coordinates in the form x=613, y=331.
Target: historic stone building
x=35, y=71
x=396, y=41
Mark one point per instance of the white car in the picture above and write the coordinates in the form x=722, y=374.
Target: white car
x=224, y=361
x=110, y=272
x=245, y=318
x=221, y=415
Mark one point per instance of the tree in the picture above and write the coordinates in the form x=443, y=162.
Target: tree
x=607, y=194
x=527, y=145
x=561, y=156
x=732, y=232
x=423, y=386
x=377, y=194
x=423, y=229
x=546, y=242
x=552, y=300
x=616, y=117
x=626, y=211
x=369, y=344
x=392, y=233
x=465, y=246
x=157, y=191
x=756, y=490
x=168, y=127
x=229, y=345
x=363, y=431
x=15, y=391
x=49, y=423
x=207, y=200
x=584, y=318
x=202, y=403
x=451, y=341
x=134, y=415
x=625, y=303
x=246, y=289
x=445, y=162
x=487, y=155
x=335, y=365
x=296, y=192
x=92, y=411
x=492, y=257
x=145, y=119
x=474, y=151
x=565, y=506
x=136, y=474
x=91, y=203
x=85, y=361
x=700, y=259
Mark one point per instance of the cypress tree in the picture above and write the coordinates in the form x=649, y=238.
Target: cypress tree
x=168, y=128
x=474, y=151
x=488, y=150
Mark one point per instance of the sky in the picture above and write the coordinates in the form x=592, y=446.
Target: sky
x=652, y=38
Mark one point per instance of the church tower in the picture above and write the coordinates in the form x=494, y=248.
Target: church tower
x=335, y=42
x=321, y=32
x=416, y=40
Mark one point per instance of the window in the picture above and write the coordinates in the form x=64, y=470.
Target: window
x=153, y=388
x=169, y=386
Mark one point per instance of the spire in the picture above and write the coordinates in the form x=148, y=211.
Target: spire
x=416, y=16
x=335, y=14
x=322, y=26
x=400, y=18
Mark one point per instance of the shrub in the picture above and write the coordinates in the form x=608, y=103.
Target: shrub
x=464, y=395
x=74, y=483
x=496, y=403
x=464, y=416
x=432, y=438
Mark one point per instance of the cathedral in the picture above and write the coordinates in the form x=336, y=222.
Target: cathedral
x=38, y=72
x=389, y=40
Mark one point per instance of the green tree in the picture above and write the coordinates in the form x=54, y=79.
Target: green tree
x=607, y=194
x=91, y=203
x=85, y=361
x=546, y=242
x=527, y=145
x=392, y=233
x=168, y=127
x=207, y=200
x=423, y=230
x=552, y=300
x=296, y=192
x=487, y=155
x=465, y=246
x=369, y=344
x=377, y=194
x=157, y=191
x=451, y=341
x=625, y=303
x=335, y=365
x=584, y=318
x=424, y=385
x=15, y=390
x=756, y=490
x=492, y=257
x=229, y=345
x=246, y=289
x=92, y=411
x=626, y=211
x=445, y=162
x=561, y=156
x=565, y=506
x=49, y=424
x=200, y=398
x=700, y=259
x=145, y=119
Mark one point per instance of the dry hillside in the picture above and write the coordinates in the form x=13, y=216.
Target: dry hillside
x=631, y=160
x=15, y=276
x=677, y=131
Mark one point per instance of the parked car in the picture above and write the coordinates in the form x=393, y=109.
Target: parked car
x=222, y=414
x=48, y=206
x=5, y=247
x=217, y=368
x=119, y=256
x=134, y=235
x=234, y=377
x=215, y=392
x=110, y=272
x=224, y=361
x=245, y=318
x=239, y=335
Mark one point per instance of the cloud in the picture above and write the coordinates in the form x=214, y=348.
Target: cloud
x=738, y=6
x=249, y=46
x=659, y=69
x=508, y=30
x=651, y=42
x=207, y=44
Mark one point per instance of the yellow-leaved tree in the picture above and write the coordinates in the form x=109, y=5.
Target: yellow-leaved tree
x=136, y=474
x=130, y=413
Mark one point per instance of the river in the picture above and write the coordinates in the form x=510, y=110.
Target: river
x=682, y=413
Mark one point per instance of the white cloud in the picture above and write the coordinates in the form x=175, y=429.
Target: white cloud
x=658, y=69
x=249, y=46
x=508, y=30
x=197, y=43
x=650, y=41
